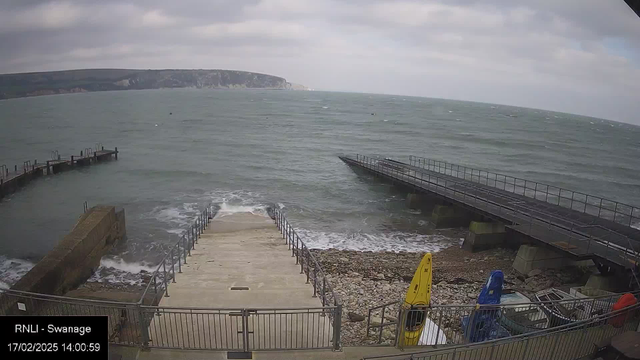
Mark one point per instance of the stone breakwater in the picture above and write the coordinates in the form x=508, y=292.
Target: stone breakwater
x=367, y=279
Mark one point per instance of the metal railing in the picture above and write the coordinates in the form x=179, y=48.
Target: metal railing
x=500, y=320
x=308, y=263
x=567, y=342
x=385, y=319
x=177, y=255
x=145, y=325
x=313, y=271
x=241, y=329
x=529, y=221
x=615, y=211
x=125, y=326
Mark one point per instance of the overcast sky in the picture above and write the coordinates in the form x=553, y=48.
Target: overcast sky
x=546, y=54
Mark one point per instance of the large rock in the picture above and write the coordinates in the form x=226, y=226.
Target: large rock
x=355, y=317
x=534, y=272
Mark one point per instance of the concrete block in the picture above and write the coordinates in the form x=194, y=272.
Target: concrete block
x=610, y=283
x=478, y=227
x=533, y=257
x=484, y=235
x=449, y=217
x=75, y=257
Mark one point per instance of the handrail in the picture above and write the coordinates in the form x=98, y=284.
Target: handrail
x=296, y=245
x=305, y=258
x=166, y=269
x=539, y=188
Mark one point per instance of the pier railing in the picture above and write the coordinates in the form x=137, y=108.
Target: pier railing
x=567, y=342
x=175, y=258
x=533, y=222
x=615, y=211
x=484, y=322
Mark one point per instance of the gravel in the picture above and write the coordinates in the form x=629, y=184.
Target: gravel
x=367, y=279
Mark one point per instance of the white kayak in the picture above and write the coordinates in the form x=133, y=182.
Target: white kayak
x=431, y=332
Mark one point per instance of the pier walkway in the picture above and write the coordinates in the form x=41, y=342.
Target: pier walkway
x=12, y=178
x=577, y=224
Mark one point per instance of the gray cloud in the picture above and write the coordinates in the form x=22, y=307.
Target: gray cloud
x=580, y=56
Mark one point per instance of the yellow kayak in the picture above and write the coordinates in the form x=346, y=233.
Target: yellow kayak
x=417, y=299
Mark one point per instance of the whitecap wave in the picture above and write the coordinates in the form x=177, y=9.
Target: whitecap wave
x=395, y=241
x=114, y=270
x=11, y=270
x=177, y=217
x=229, y=209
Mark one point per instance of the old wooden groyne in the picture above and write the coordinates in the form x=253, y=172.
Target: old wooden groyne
x=12, y=178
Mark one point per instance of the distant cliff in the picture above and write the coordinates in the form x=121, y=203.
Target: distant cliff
x=71, y=81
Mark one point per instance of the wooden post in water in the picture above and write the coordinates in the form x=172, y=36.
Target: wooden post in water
x=71, y=160
x=116, y=153
x=48, y=169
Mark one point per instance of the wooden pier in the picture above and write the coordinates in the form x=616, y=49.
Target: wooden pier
x=12, y=179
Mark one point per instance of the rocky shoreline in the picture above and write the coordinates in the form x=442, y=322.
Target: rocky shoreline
x=367, y=279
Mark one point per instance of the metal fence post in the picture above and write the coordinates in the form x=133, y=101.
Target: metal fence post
x=184, y=248
x=307, y=263
x=315, y=280
x=164, y=280
x=173, y=267
x=143, y=327
x=337, y=327
x=179, y=259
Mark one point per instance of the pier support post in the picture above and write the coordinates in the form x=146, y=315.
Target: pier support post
x=533, y=257
x=116, y=153
x=449, y=217
x=483, y=236
x=71, y=160
x=48, y=168
x=420, y=202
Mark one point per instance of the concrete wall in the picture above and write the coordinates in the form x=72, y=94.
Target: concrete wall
x=484, y=235
x=534, y=257
x=78, y=254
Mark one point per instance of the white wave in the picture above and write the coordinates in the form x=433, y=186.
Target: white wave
x=396, y=241
x=178, y=217
x=228, y=209
x=11, y=270
x=115, y=270
x=119, y=264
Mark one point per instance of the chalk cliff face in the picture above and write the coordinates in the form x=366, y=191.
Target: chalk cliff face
x=62, y=82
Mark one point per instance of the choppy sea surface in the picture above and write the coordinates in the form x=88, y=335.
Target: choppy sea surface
x=181, y=149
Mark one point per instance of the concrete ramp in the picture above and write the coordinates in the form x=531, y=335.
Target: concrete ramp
x=240, y=276
x=241, y=261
